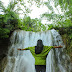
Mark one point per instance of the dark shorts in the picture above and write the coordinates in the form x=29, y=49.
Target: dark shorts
x=40, y=68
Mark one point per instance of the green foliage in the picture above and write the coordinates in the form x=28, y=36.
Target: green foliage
x=66, y=6
x=10, y=21
x=59, y=20
x=50, y=26
x=34, y=25
x=48, y=5
x=26, y=24
x=4, y=33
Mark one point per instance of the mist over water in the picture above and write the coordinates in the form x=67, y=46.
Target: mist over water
x=23, y=61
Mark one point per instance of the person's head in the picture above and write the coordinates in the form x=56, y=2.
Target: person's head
x=39, y=43
x=39, y=46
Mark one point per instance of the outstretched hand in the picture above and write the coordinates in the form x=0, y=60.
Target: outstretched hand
x=21, y=49
x=18, y=49
x=60, y=46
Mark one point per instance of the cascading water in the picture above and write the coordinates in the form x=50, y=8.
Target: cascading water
x=62, y=60
x=23, y=61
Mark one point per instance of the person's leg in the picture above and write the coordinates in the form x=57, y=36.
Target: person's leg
x=40, y=68
x=43, y=69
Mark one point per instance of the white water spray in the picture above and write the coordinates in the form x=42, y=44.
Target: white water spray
x=23, y=61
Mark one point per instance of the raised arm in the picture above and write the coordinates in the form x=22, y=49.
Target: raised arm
x=23, y=49
x=58, y=46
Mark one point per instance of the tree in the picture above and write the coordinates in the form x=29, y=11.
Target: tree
x=9, y=20
x=60, y=20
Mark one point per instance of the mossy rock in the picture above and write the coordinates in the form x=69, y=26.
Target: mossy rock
x=3, y=64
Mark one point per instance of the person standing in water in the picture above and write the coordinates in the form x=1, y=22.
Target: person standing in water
x=40, y=53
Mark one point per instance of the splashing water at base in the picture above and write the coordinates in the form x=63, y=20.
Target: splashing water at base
x=23, y=61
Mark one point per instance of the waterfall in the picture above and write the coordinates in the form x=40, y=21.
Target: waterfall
x=23, y=61
x=62, y=60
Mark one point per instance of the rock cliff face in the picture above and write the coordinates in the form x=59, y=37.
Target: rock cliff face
x=66, y=34
x=3, y=48
x=4, y=43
